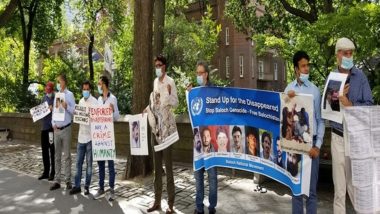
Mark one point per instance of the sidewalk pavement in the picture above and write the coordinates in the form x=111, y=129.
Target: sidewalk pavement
x=21, y=192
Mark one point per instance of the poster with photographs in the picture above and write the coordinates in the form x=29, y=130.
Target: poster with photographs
x=297, y=123
x=138, y=132
x=330, y=105
x=240, y=129
x=58, y=109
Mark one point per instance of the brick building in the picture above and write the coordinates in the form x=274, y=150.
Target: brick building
x=236, y=57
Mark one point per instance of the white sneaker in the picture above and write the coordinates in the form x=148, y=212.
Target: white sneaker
x=111, y=195
x=98, y=194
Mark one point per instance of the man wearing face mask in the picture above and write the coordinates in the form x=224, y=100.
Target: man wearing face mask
x=163, y=99
x=107, y=98
x=47, y=144
x=302, y=85
x=62, y=135
x=84, y=146
x=357, y=92
x=203, y=72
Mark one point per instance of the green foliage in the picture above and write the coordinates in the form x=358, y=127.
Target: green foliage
x=122, y=52
x=67, y=64
x=279, y=30
x=187, y=42
x=47, y=23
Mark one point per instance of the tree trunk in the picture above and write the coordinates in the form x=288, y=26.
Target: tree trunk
x=8, y=12
x=142, y=76
x=159, y=22
x=90, y=49
x=27, y=33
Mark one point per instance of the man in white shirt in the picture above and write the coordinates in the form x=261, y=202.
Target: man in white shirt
x=165, y=99
x=84, y=146
x=107, y=98
x=62, y=134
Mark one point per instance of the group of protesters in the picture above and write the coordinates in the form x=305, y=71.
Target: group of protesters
x=56, y=136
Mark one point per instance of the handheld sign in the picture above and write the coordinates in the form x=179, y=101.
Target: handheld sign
x=59, y=111
x=102, y=133
x=81, y=115
x=40, y=111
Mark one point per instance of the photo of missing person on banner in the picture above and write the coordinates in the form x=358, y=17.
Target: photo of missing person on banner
x=215, y=138
x=252, y=141
x=197, y=141
x=266, y=145
x=293, y=164
x=237, y=136
x=296, y=123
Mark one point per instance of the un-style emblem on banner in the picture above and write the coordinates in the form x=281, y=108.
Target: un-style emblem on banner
x=196, y=106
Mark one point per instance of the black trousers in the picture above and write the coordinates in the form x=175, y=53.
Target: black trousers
x=48, y=152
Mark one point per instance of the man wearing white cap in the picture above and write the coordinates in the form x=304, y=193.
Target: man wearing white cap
x=357, y=92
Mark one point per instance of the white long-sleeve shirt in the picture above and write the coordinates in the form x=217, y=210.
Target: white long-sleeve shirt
x=166, y=99
x=84, y=135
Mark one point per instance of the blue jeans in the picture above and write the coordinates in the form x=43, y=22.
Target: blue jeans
x=84, y=149
x=111, y=169
x=312, y=200
x=213, y=188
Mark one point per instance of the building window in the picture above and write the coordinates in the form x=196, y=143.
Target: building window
x=227, y=36
x=241, y=66
x=253, y=66
x=261, y=70
x=227, y=66
x=275, y=71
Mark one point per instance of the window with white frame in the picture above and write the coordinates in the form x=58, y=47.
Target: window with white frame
x=227, y=66
x=241, y=65
x=261, y=70
x=227, y=35
x=275, y=68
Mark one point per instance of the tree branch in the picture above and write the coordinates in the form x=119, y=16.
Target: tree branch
x=309, y=17
x=8, y=12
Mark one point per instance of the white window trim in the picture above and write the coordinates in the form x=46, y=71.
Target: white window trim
x=227, y=36
x=241, y=66
x=275, y=68
x=261, y=69
x=227, y=61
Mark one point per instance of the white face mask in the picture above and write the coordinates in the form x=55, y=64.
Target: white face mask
x=304, y=77
x=347, y=63
x=158, y=72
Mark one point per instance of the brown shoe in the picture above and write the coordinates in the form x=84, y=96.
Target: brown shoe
x=169, y=211
x=154, y=208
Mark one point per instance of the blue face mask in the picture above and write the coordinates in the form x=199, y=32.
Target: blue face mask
x=304, y=77
x=49, y=95
x=100, y=90
x=158, y=72
x=58, y=87
x=86, y=94
x=347, y=63
x=200, y=80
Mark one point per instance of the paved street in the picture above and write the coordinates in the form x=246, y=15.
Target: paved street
x=21, y=192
